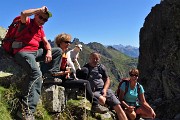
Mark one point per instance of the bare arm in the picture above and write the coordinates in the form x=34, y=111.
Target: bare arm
x=145, y=104
x=47, y=46
x=29, y=12
x=121, y=98
x=107, y=83
x=106, y=86
x=123, y=103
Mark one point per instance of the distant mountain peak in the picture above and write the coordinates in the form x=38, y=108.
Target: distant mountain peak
x=128, y=50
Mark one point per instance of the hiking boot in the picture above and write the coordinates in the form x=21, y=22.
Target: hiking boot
x=28, y=117
x=99, y=109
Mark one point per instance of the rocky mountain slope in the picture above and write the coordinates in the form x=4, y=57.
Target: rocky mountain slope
x=159, y=58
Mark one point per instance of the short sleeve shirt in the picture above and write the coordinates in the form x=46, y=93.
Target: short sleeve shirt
x=97, y=76
x=32, y=37
x=132, y=94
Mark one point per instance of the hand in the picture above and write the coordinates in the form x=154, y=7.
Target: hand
x=104, y=93
x=131, y=108
x=48, y=57
x=67, y=76
x=44, y=9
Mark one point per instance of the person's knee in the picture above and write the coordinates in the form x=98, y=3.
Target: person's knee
x=37, y=73
x=102, y=100
x=138, y=111
x=132, y=115
x=83, y=73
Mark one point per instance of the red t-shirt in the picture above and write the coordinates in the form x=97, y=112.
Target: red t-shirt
x=32, y=37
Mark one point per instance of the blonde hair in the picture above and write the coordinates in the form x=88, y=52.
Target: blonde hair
x=61, y=38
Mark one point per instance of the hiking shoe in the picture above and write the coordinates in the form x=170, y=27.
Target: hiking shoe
x=29, y=117
x=99, y=109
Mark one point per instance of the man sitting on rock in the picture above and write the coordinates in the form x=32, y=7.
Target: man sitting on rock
x=97, y=75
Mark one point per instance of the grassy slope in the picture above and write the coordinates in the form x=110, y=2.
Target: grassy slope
x=5, y=114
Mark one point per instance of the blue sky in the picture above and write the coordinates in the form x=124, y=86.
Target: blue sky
x=109, y=22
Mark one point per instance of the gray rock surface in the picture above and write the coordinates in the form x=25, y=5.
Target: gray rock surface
x=159, y=58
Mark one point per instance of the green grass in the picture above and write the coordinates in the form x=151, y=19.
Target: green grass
x=5, y=114
x=9, y=103
x=74, y=110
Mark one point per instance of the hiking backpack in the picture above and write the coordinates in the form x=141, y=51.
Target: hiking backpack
x=10, y=35
x=14, y=31
x=126, y=80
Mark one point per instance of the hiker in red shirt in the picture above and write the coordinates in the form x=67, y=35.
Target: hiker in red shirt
x=27, y=52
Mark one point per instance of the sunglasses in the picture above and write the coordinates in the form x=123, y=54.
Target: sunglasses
x=43, y=19
x=67, y=42
x=132, y=75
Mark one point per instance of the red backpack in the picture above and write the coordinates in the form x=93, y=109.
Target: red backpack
x=10, y=35
x=14, y=31
x=126, y=80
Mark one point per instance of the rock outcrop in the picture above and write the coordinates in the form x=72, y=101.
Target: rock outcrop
x=160, y=56
x=10, y=72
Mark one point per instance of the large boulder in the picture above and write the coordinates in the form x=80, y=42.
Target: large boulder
x=159, y=58
x=10, y=71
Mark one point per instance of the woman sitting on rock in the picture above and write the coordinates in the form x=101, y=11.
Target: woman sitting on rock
x=63, y=41
x=132, y=98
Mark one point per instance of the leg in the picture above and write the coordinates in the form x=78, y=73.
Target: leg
x=82, y=84
x=102, y=100
x=82, y=73
x=144, y=112
x=114, y=103
x=56, y=58
x=130, y=115
x=53, y=66
x=32, y=86
x=120, y=113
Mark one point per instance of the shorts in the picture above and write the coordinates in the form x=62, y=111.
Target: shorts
x=111, y=99
x=133, y=104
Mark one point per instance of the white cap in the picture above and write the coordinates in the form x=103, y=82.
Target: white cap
x=79, y=46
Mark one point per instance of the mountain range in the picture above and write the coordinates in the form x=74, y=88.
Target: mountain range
x=128, y=50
